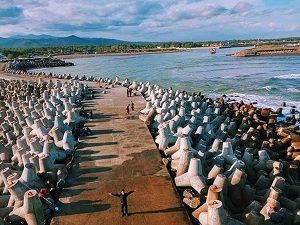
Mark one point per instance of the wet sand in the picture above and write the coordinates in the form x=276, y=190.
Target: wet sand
x=119, y=154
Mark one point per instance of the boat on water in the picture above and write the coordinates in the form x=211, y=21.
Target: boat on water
x=213, y=51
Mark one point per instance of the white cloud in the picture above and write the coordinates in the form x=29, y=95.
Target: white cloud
x=149, y=19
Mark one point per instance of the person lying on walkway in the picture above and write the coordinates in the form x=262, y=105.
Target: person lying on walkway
x=123, y=198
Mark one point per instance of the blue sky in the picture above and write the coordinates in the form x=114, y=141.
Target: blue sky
x=152, y=20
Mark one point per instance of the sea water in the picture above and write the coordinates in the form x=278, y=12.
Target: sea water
x=268, y=80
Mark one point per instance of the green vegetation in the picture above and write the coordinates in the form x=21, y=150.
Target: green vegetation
x=130, y=47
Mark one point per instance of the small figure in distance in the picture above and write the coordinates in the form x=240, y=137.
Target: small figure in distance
x=132, y=106
x=123, y=198
x=127, y=109
x=130, y=91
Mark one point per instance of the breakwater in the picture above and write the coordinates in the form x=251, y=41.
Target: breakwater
x=268, y=51
x=229, y=160
x=31, y=63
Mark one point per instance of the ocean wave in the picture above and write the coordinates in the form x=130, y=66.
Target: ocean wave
x=293, y=90
x=268, y=88
x=289, y=76
x=264, y=101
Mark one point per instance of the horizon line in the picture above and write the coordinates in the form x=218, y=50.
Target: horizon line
x=84, y=37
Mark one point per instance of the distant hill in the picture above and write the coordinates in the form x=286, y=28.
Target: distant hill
x=25, y=41
x=32, y=36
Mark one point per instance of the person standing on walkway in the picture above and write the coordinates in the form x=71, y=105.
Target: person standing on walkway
x=132, y=106
x=123, y=198
x=130, y=91
x=127, y=109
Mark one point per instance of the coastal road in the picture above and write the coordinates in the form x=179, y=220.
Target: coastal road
x=119, y=154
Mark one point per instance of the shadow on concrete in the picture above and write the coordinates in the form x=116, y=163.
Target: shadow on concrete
x=132, y=117
x=82, y=206
x=86, y=152
x=69, y=192
x=98, y=157
x=101, y=117
x=106, y=131
x=98, y=144
x=79, y=181
x=175, y=209
x=169, y=210
x=92, y=170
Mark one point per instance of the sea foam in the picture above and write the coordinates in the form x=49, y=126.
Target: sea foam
x=288, y=76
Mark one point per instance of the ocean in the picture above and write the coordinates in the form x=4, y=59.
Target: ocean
x=268, y=80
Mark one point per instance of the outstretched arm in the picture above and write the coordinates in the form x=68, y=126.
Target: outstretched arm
x=115, y=195
x=130, y=192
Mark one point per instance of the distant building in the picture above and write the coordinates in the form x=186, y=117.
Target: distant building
x=224, y=44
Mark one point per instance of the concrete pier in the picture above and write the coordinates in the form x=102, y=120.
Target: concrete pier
x=119, y=154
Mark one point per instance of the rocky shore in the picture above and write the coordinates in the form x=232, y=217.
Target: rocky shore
x=25, y=64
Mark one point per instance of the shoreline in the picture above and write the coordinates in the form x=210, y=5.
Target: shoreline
x=76, y=56
x=246, y=97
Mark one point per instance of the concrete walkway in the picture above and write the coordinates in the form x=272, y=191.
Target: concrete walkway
x=120, y=154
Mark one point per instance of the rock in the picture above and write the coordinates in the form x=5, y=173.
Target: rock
x=191, y=199
x=192, y=202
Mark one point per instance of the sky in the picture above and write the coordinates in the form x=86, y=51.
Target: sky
x=152, y=20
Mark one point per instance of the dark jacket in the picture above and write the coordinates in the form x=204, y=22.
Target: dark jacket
x=123, y=197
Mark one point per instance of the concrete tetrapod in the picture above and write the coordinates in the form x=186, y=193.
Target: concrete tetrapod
x=68, y=143
x=17, y=190
x=185, y=143
x=216, y=215
x=213, y=194
x=182, y=164
x=163, y=138
x=49, y=148
x=32, y=210
x=171, y=150
x=227, y=152
x=193, y=178
x=30, y=178
x=149, y=117
x=5, y=153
